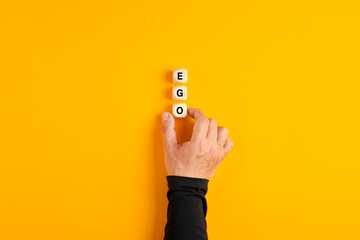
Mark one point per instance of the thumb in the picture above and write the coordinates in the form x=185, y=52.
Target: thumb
x=168, y=129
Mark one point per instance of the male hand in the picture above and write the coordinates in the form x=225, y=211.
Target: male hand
x=199, y=157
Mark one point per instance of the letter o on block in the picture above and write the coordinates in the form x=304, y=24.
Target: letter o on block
x=179, y=93
x=179, y=110
x=180, y=76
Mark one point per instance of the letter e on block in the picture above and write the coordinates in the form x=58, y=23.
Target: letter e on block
x=180, y=76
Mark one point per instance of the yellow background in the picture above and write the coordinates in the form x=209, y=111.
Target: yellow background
x=83, y=85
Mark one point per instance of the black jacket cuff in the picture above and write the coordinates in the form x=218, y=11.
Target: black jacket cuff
x=175, y=182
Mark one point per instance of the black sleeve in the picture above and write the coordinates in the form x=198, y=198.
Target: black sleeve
x=187, y=208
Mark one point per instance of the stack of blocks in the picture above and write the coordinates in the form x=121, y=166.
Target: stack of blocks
x=179, y=93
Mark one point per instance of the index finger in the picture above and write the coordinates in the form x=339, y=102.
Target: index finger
x=201, y=124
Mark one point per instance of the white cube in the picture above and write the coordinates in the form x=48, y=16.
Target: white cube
x=179, y=93
x=180, y=76
x=179, y=110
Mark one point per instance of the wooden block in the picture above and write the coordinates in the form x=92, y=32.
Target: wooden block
x=180, y=76
x=179, y=93
x=179, y=110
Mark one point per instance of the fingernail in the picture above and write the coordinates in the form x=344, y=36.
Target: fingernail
x=165, y=116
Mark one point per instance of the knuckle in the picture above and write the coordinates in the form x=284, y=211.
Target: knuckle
x=212, y=121
x=198, y=111
x=225, y=130
x=165, y=129
x=203, y=121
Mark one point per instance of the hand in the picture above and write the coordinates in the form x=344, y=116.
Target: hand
x=202, y=155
